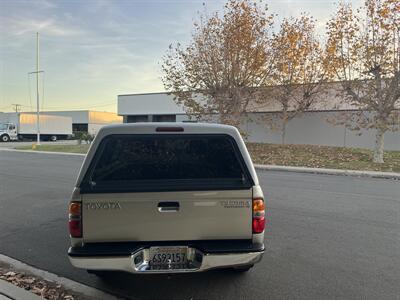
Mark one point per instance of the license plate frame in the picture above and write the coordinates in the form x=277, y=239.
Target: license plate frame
x=168, y=256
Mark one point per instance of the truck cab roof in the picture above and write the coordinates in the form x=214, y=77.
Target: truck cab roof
x=151, y=128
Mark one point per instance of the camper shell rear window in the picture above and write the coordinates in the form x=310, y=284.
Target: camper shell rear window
x=166, y=162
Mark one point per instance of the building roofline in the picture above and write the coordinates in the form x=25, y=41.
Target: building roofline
x=262, y=112
x=79, y=110
x=143, y=94
x=334, y=82
x=314, y=110
x=267, y=87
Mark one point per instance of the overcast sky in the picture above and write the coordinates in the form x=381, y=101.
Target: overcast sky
x=93, y=50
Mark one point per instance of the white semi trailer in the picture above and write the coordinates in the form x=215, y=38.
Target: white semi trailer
x=20, y=126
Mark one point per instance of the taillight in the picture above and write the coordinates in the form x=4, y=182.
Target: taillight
x=258, y=215
x=75, y=219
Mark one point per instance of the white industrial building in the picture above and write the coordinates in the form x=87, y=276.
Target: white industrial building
x=311, y=127
x=88, y=120
x=153, y=107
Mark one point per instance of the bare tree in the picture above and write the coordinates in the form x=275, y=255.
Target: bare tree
x=298, y=71
x=224, y=64
x=363, y=54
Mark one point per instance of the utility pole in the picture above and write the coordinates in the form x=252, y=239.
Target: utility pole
x=16, y=107
x=37, y=89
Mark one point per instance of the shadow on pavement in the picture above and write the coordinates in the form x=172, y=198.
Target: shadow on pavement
x=212, y=284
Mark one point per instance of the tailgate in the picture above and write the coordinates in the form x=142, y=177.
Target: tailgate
x=167, y=216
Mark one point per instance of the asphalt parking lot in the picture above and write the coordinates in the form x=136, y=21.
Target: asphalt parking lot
x=328, y=237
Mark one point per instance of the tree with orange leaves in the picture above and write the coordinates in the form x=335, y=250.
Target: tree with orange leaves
x=363, y=54
x=298, y=72
x=225, y=62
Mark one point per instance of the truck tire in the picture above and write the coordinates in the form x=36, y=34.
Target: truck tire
x=53, y=138
x=5, y=138
x=98, y=273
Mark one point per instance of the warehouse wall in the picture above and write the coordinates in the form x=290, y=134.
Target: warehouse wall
x=313, y=128
x=98, y=119
x=88, y=120
x=78, y=116
x=148, y=104
x=102, y=117
x=308, y=128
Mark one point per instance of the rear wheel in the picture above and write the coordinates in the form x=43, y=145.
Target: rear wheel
x=53, y=138
x=242, y=269
x=98, y=273
x=5, y=138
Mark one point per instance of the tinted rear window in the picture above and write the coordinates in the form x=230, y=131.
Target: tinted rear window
x=166, y=162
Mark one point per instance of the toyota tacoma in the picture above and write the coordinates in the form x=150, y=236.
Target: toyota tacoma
x=166, y=198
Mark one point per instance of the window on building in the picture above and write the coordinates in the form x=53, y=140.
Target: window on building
x=79, y=127
x=164, y=118
x=136, y=119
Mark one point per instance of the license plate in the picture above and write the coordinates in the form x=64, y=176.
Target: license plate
x=168, y=256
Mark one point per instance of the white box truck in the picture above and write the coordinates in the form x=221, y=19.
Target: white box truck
x=19, y=126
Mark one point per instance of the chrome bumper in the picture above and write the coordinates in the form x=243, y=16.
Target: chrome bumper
x=138, y=262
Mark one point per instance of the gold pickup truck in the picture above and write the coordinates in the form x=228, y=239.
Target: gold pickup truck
x=166, y=198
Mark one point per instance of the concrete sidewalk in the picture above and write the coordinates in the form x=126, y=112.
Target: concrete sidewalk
x=374, y=174
x=10, y=291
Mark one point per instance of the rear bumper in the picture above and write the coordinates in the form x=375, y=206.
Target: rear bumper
x=138, y=260
x=126, y=263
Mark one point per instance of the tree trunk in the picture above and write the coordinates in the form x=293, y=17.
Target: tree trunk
x=284, y=120
x=283, y=133
x=378, y=151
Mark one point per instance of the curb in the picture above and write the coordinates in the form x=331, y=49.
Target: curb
x=65, y=282
x=10, y=291
x=373, y=174
x=42, y=152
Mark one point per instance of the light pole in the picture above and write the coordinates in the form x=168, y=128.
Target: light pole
x=37, y=90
